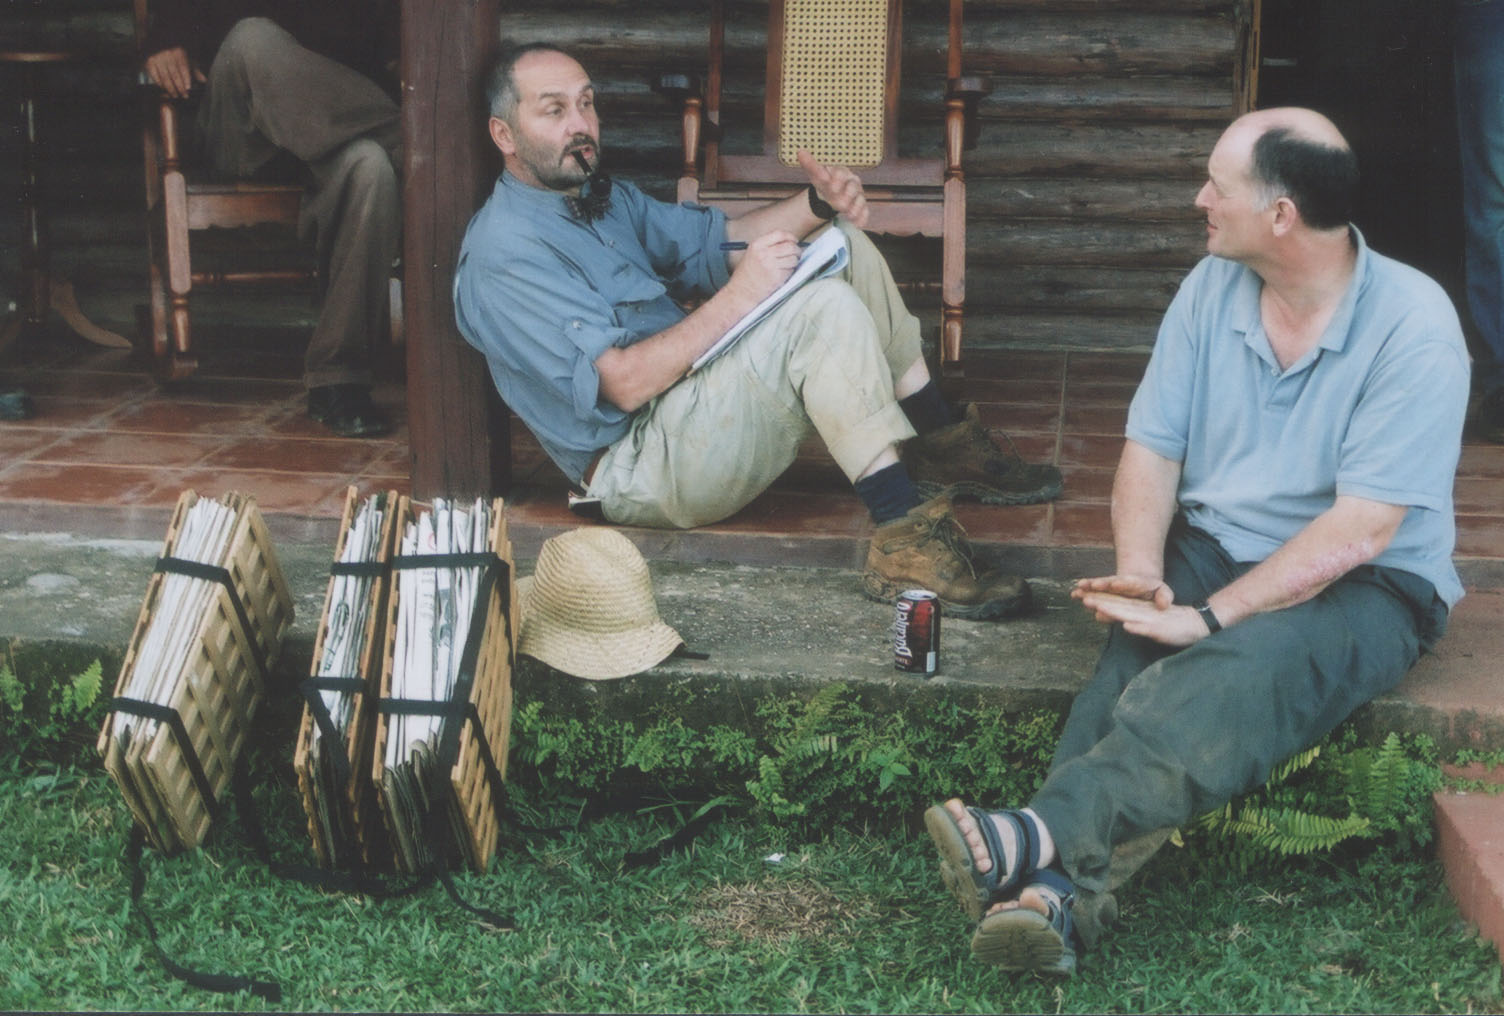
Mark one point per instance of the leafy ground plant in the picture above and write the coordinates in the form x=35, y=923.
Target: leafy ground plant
x=747, y=920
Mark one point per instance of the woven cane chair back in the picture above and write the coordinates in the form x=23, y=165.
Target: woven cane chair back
x=834, y=72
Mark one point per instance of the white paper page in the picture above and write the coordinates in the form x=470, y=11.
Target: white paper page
x=826, y=255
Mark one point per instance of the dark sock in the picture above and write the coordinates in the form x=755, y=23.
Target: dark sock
x=888, y=493
x=927, y=410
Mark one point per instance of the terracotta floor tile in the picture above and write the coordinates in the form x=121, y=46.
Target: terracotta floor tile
x=92, y=384
x=1081, y=525
x=1095, y=419
x=126, y=448
x=391, y=458
x=267, y=393
x=1084, y=484
x=312, y=494
x=797, y=512
x=1099, y=451
x=1012, y=391
x=1005, y=524
x=71, y=411
x=79, y=484
x=1022, y=417
x=19, y=441
x=167, y=417
x=310, y=455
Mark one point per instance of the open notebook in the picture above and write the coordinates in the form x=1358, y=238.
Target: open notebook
x=826, y=255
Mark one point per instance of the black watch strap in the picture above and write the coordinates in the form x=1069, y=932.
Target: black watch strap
x=1205, y=610
x=820, y=209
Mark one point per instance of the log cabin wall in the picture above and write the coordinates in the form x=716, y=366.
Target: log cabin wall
x=1079, y=191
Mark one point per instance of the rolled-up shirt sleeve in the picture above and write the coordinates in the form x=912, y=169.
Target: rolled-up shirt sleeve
x=555, y=327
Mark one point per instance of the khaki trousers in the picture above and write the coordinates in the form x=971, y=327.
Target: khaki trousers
x=825, y=360
x=268, y=94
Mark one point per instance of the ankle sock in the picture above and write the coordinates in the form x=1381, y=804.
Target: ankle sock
x=888, y=493
x=927, y=409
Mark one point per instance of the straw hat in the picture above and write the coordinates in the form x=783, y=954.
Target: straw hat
x=588, y=607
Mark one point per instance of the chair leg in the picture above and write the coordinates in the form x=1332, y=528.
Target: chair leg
x=175, y=359
x=952, y=367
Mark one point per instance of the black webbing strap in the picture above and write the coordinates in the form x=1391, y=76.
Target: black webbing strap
x=214, y=573
x=305, y=874
x=174, y=721
x=269, y=990
x=361, y=569
x=454, y=712
x=682, y=837
x=339, y=755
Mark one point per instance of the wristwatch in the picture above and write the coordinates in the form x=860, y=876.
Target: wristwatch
x=819, y=208
x=1205, y=610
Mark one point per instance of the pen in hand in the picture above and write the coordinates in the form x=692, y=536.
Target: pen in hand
x=742, y=244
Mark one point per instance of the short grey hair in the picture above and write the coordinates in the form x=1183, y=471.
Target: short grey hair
x=501, y=81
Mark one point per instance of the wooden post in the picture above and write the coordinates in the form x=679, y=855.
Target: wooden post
x=457, y=427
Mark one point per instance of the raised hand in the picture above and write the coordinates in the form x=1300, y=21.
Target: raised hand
x=838, y=187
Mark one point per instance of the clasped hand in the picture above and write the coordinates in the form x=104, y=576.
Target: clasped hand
x=1144, y=606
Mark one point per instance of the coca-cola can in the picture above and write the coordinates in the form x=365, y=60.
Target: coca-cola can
x=916, y=632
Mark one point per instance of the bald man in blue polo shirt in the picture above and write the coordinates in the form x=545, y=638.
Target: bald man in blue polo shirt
x=1283, y=527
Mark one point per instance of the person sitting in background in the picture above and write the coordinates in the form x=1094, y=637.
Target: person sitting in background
x=298, y=78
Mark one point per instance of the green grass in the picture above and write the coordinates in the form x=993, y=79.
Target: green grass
x=851, y=923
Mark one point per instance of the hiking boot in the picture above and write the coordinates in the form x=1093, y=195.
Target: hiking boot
x=347, y=410
x=962, y=460
x=927, y=549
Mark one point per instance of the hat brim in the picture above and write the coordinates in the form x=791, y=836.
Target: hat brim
x=596, y=656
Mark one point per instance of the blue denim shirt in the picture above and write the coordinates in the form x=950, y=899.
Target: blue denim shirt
x=543, y=295
x=1374, y=411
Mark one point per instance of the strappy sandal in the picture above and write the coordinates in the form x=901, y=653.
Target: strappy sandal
x=1024, y=939
x=977, y=890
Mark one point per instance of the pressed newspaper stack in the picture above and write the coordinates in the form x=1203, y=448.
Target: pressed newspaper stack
x=333, y=753
x=444, y=717
x=211, y=626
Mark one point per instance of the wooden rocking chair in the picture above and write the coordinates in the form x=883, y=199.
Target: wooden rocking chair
x=179, y=204
x=833, y=89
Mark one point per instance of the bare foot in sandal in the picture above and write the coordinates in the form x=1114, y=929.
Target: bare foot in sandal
x=987, y=856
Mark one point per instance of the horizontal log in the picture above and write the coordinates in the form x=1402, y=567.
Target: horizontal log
x=1143, y=199
x=1056, y=44
x=1185, y=7
x=1122, y=332
x=1096, y=98
x=999, y=42
x=1128, y=245
x=1045, y=288
x=1091, y=150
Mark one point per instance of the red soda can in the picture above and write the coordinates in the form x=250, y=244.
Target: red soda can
x=916, y=632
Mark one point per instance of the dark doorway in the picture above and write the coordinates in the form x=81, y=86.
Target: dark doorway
x=1382, y=70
